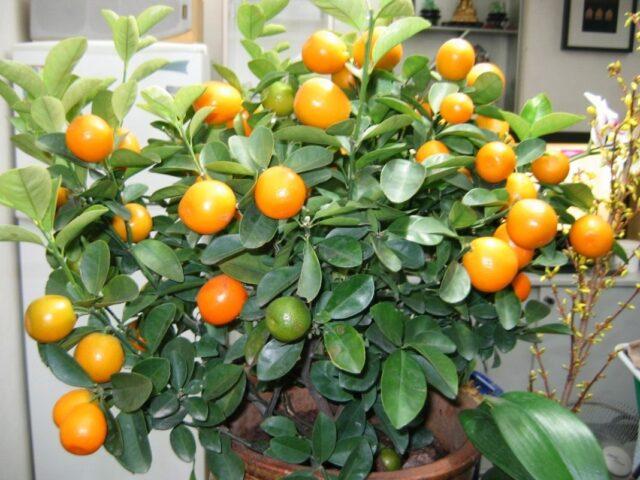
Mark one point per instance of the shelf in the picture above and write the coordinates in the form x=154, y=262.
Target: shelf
x=486, y=31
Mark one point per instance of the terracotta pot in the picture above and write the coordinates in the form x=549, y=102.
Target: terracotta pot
x=442, y=420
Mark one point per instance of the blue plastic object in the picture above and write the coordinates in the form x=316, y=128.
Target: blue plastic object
x=485, y=385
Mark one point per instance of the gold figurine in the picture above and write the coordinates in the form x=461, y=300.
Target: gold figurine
x=465, y=13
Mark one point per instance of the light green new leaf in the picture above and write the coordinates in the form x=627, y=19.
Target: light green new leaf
x=351, y=12
x=396, y=33
x=271, y=8
x=59, y=64
x=403, y=388
x=518, y=124
x=75, y=226
x=26, y=189
x=151, y=17
x=160, y=258
x=120, y=289
x=126, y=37
x=94, y=266
x=261, y=145
x=554, y=122
x=229, y=75
x=83, y=90
x=304, y=134
x=14, y=233
x=251, y=20
x=49, y=113
x=123, y=98
x=395, y=8
x=147, y=68
x=185, y=97
x=159, y=102
x=401, y=179
x=345, y=347
x=391, y=124
x=23, y=76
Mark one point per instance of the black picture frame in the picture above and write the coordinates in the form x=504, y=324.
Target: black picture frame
x=565, y=32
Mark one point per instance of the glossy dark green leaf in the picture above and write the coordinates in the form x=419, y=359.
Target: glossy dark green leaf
x=130, y=390
x=246, y=268
x=365, y=379
x=226, y=465
x=578, y=194
x=255, y=228
x=120, y=289
x=403, y=388
x=183, y=443
x=529, y=150
x=63, y=366
x=310, y=279
x=345, y=346
x=439, y=369
x=275, y=282
x=456, y=284
x=26, y=189
x=389, y=125
x=401, y=179
x=160, y=258
x=278, y=426
x=341, y=251
x=155, y=325
x=94, y=266
x=535, y=311
x=487, y=89
x=164, y=405
x=390, y=321
x=309, y=158
x=509, y=309
x=324, y=376
x=323, y=438
x=155, y=369
x=462, y=216
x=289, y=449
x=136, y=452
x=304, y=134
x=219, y=379
x=277, y=358
x=350, y=297
x=221, y=248
x=359, y=463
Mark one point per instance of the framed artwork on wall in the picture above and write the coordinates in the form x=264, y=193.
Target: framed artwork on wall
x=597, y=25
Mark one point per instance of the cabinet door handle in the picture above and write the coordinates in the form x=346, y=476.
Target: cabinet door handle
x=549, y=300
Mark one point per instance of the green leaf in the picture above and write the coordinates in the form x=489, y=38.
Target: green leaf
x=220, y=248
x=403, y=388
x=94, y=266
x=277, y=358
x=63, y=366
x=59, y=64
x=125, y=158
x=324, y=377
x=123, y=98
x=147, y=68
x=554, y=122
x=185, y=96
x=159, y=102
x=275, y=282
x=552, y=328
x=359, y=463
x=130, y=390
x=350, y=297
x=246, y=268
x=160, y=258
x=345, y=347
x=386, y=255
x=14, y=233
x=438, y=91
x=155, y=325
x=578, y=194
x=26, y=189
x=198, y=119
x=535, y=311
x=529, y=150
x=536, y=108
x=78, y=224
x=508, y=308
x=310, y=279
x=391, y=124
x=481, y=197
x=49, y=114
x=289, y=449
x=323, y=438
x=439, y=369
x=390, y=321
x=151, y=17
x=519, y=125
x=261, y=146
x=401, y=179
x=278, y=426
x=22, y=75
x=183, y=443
x=271, y=8
x=462, y=216
x=487, y=89
x=396, y=33
x=304, y=134
x=341, y=251
x=256, y=229
x=219, y=379
x=120, y=289
x=136, y=452
x=423, y=230
x=155, y=369
x=229, y=75
x=352, y=12
x=126, y=37
x=226, y=465
x=251, y=20
x=456, y=284
x=309, y=158
x=395, y=8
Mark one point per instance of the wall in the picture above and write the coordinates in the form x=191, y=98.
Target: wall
x=564, y=74
x=15, y=448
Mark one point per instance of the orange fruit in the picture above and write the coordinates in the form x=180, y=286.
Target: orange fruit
x=531, y=223
x=207, y=207
x=455, y=58
x=140, y=223
x=49, y=318
x=67, y=402
x=591, y=236
x=499, y=127
x=466, y=172
x=62, y=196
x=524, y=255
x=321, y=103
x=456, y=108
x=89, y=138
x=520, y=186
x=390, y=59
x=481, y=68
x=225, y=100
x=245, y=123
x=551, y=168
x=221, y=299
x=495, y=161
x=521, y=286
x=324, y=52
x=280, y=192
x=278, y=98
x=84, y=430
x=432, y=147
x=344, y=79
x=100, y=355
x=490, y=263
x=128, y=141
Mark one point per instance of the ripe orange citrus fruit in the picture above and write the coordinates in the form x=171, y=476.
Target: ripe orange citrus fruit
x=521, y=286
x=89, y=138
x=100, y=355
x=67, y=402
x=324, y=52
x=207, y=207
x=84, y=430
x=221, y=299
x=62, y=196
x=455, y=58
x=495, y=161
x=432, y=147
x=524, y=255
x=288, y=319
x=490, y=263
x=278, y=98
x=591, y=236
x=280, y=192
x=140, y=223
x=520, y=186
x=551, y=168
x=481, y=68
x=128, y=141
x=390, y=59
x=344, y=79
x=245, y=123
x=321, y=103
x=532, y=223
x=49, y=318
x=456, y=108
x=225, y=100
x=499, y=127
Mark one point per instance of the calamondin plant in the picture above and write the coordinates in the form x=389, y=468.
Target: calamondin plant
x=345, y=238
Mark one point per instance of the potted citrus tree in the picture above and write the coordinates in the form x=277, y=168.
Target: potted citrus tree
x=344, y=240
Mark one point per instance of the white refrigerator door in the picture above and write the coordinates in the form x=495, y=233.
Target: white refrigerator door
x=189, y=65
